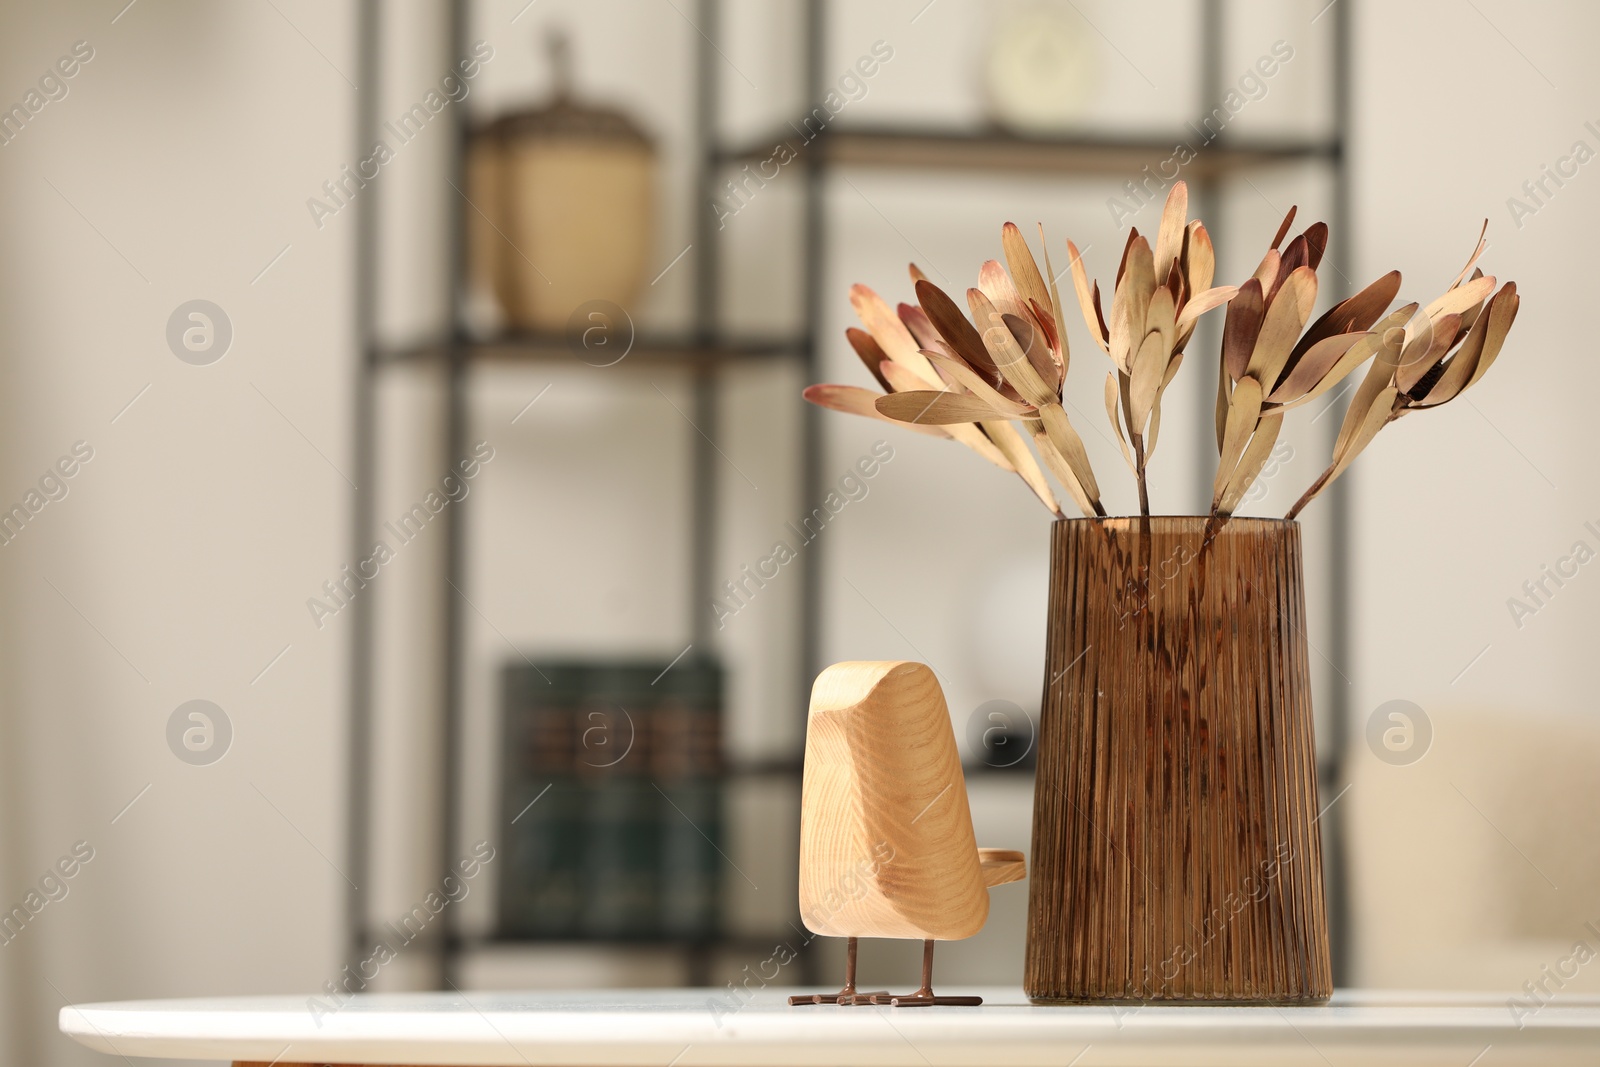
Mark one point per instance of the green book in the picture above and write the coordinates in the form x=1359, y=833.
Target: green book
x=612, y=800
x=621, y=848
x=687, y=767
x=542, y=802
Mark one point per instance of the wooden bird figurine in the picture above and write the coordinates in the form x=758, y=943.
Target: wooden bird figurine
x=886, y=841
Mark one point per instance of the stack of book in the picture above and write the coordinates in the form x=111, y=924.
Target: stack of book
x=612, y=802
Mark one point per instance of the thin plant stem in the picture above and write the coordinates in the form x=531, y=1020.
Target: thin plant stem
x=1144, y=491
x=1310, y=494
x=1328, y=475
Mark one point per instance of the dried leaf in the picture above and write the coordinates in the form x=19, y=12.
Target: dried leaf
x=1122, y=264
x=1380, y=376
x=1202, y=258
x=1149, y=368
x=1172, y=372
x=1024, y=271
x=1011, y=445
x=1469, y=316
x=1201, y=303
x=1352, y=315
x=1087, y=301
x=1455, y=374
x=1267, y=273
x=958, y=333
x=1374, y=419
x=1169, y=238
x=1063, y=350
x=1502, y=313
x=1476, y=252
x=905, y=381
x=1252, y=462
x=1059, y=467
x=1000, y=289
x=1297, y=255
x=1224, y=397
x=1286, y=317
x=1316, y=236
x=921, y=327
x=870, y=354
x=1037, y=350
x=1161, y=317
x=1140, y=285
x=1478, y=350
x=854, y=400
x=1114, y=414
x=1154, y=430
x=1243, y=326
x=1422, y=355
x=1123, y=337
x=890, y=333
x=961, y=429
x=936, y=408
x=1314, y=365
x=1055, y=370
x=975, y=384
x=1244, y=411
x=1356, y=355
x=1456, y=301
x=1066, y=441
x=1007, y=354
x=1283, y=227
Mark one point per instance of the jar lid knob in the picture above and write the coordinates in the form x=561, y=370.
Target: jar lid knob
x=559, y=49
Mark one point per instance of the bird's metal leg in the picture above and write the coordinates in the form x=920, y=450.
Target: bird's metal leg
x=848, y=994
x=925, y=997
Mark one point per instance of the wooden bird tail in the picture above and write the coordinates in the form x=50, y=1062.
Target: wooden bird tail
x=1001, y=865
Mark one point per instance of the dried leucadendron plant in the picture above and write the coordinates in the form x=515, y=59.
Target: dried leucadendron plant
x=1267, y=366
x=1159, y=297
x=1430, y=360
x=943, y=375
x=970, y=379
x=931, y=402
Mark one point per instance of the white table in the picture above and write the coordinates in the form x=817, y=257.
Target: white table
x=678, y=1027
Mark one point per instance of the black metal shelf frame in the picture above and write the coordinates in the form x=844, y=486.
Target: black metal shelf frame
x=1002, y=151
x=685, y=350
x=704, y=351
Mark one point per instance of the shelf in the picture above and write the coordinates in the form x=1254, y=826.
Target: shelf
x=1001, y=151
x=555, y=348
x=1110, y=159
x=731, y=941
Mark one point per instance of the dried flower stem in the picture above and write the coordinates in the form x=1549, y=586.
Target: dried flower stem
x=1306, y=498
x=1144, y=490
x=1321, y=483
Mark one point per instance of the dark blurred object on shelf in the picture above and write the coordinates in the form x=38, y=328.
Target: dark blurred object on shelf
x=612, y=790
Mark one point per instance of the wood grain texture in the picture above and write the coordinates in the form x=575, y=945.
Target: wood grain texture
x=1176, y=850
x=1001, y=866
x=886, y=842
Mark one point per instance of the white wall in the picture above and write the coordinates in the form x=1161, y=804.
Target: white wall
x=178, y=565
x=1456, y=510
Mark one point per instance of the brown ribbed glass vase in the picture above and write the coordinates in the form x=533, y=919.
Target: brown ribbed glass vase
x=1176, y=852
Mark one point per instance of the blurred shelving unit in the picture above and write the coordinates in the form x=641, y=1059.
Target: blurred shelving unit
x=533, y=348
x=1010, y=154
x=704, y=352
